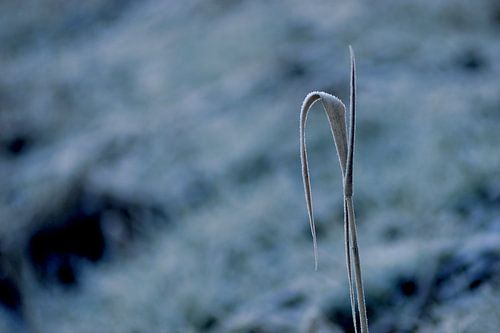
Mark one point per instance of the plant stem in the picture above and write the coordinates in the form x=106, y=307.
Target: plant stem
x=357, y=266
x=349, y=266
x=352, y=240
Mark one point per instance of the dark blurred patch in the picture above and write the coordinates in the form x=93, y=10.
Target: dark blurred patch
x=408, y=286
x=207, y=324
x=54, y=249
x=461, y=273
x=392, y=233
x=412, y=297
x=80, y=16
x=17, y=145
x=110, y=11
x=84, y=230
x=481, y=198
x=293, y=68
x=472, y=61
x=342, y=316
x=293, y=301
x=323, y=227
x=10, y=296
x=495, y=15
x=251, y=169
x=402, y=297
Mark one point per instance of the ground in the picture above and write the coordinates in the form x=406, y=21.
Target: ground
x=149, y=155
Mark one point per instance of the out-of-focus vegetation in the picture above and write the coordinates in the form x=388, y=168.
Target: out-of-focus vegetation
x=150, y=173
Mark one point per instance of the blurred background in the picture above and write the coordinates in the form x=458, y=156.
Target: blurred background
x=150, y=174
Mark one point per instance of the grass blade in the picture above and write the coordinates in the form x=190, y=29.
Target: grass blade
x=335, y=111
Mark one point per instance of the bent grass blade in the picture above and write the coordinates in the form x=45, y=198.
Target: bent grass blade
x=335, y=111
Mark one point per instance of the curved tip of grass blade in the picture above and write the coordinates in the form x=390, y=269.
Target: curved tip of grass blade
x=335, y=110
x=310, y=99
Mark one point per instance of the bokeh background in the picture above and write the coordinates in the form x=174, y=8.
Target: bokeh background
x=150, y=175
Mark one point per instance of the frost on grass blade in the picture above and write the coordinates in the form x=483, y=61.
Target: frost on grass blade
x=335, y=110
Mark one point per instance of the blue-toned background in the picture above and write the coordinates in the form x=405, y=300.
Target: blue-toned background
x=150, y=175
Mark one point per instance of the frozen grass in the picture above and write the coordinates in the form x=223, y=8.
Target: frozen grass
x=335, y=111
